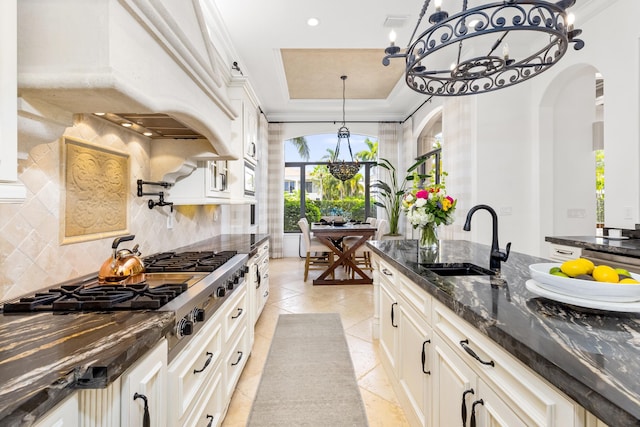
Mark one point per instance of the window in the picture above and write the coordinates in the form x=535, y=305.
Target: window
x=311, y=191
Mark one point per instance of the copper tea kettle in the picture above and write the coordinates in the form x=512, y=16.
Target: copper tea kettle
x=124, y=264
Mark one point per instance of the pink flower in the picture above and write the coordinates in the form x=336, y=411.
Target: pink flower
x=422, y=194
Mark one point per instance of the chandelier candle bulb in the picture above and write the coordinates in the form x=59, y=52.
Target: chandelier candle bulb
x=392, y=37
x=571, y=19
x=438, y=5
x=505, y=51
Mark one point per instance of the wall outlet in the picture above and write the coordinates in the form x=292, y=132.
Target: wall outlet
x=505, y=210
x=576, y=213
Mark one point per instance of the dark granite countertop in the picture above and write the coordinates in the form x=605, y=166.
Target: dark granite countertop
x=592, y=356
x=44, y=357
x=628, y=247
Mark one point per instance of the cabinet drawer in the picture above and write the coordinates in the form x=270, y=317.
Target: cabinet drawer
x=387, y=272
x=417, y=297
x=538, y=402
x=193, y=368
x=235, y=360
x=235, y=314
x=562, y=253
x=208, y=410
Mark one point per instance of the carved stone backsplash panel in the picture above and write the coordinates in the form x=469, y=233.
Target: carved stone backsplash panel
x=96, y=182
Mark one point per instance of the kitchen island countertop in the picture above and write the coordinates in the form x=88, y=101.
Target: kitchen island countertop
x=626, y=247
x=44, y=357
x=592, y=356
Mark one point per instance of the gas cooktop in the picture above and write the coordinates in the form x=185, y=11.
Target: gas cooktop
x=187, y=261
x=151, y=292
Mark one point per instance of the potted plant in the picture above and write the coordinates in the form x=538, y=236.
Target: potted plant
x=390, y=191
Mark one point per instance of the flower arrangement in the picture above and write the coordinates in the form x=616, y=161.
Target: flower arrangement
x=428, y=207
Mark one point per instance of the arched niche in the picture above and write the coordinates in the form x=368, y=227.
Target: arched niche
x=567, y=111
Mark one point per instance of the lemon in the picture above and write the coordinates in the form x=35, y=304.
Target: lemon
x=574, y=267
x=604, y=273
x=628, y=281
x=586, y=264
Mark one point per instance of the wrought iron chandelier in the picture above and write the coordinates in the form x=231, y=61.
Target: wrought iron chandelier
x=339, y=168
x=487, y=47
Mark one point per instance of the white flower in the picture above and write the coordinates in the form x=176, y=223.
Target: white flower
x=420, y=203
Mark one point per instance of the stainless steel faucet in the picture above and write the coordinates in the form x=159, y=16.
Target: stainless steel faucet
x=496, y=254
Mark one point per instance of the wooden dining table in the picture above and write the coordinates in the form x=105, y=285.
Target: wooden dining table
x=331, y=236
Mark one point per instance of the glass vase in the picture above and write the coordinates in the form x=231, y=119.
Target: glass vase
x=428, y=244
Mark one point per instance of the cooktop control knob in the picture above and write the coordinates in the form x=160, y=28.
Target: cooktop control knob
x=185, y=327
x=236, y=279
x=244, y=270
x=230, y=284
x=198, y=315
x=220, y=291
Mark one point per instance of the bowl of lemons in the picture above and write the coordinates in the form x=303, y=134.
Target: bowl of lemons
x=581, y=278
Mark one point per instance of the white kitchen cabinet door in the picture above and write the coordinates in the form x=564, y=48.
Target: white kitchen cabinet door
x=414, y=368
x=455, y=387
x=65, y=414
x=146, y=379
x=491, y=411
x=389, y=313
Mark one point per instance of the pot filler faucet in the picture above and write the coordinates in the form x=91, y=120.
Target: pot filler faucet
x=496, y=254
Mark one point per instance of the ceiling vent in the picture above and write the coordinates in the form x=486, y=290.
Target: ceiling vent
x=396, y=21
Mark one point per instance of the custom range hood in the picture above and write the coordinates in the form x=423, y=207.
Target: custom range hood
x=154, y=64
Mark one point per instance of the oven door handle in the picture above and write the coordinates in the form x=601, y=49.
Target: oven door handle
x=209, y=357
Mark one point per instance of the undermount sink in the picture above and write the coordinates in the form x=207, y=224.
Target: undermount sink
x=458, y=269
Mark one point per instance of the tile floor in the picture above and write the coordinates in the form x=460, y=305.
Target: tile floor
x=289, y=294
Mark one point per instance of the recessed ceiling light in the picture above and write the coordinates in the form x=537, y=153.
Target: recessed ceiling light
x=313, y=22
x=148, y=134
x=127, y=125
x=99, y=114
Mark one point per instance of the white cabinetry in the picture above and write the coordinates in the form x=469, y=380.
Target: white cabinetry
x=194, y=370
x=405, y=341
x=144, y=389
x=497, y=379
x=230, y=180
x=446, y=373
x=10, y=189
x=202, y=378
x=65, y=414
x=236, y=342
x=561, y=253
x=207, y=184
x=262, y=280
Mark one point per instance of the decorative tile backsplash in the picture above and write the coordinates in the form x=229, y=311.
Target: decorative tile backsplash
x=31, y=253
x=95, y=191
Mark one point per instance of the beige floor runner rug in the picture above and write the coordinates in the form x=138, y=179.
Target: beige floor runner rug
x=308, y=378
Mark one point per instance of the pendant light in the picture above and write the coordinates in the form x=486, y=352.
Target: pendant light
x=339, y=168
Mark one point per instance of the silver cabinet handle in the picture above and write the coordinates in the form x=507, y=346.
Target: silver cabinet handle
x=563, y=252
